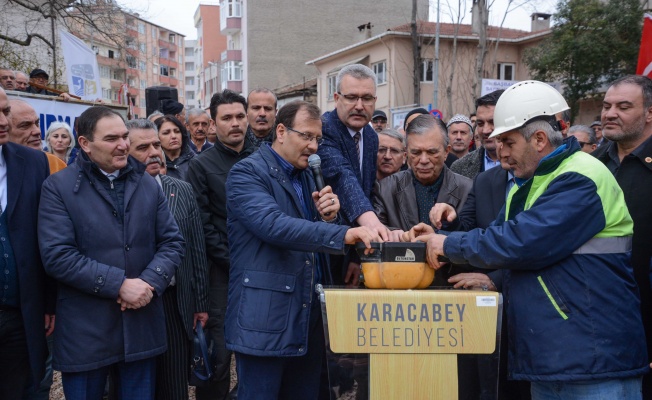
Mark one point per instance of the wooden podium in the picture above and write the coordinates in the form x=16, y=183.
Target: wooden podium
x=412, y=336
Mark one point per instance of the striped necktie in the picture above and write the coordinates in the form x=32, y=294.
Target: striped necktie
x=356, y=139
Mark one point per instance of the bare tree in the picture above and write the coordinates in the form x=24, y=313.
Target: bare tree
x=416, y=54
x=457, y=18
x=31, y=25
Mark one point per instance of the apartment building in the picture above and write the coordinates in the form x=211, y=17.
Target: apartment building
x=190, y=82
x=141, y=55
x=208, y=52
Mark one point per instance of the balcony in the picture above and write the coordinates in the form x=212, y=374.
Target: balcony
x=230, y=25
x=167, y=44
x=112, y=62
x=236, y=86
x=231, y=55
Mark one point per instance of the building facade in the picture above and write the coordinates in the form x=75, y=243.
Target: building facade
x=141, y=55
x=389, y=54
x=190, y=74
x=208, y=52
x=267, y=46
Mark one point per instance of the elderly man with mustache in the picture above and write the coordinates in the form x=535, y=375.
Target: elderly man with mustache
x=185, y=302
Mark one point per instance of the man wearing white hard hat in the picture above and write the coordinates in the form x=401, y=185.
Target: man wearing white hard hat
x=572, y=302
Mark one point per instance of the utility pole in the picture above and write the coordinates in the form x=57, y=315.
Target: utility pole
x=436, y=66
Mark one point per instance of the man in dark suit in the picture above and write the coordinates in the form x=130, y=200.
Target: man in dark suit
x=26, y=297
x=186, y=299
x=349, y=153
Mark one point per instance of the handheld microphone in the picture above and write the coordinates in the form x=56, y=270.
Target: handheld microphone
x=314, y=162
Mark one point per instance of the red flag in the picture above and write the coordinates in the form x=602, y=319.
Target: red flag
x=644, y=66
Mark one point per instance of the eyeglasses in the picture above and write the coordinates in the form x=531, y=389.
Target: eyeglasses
x=392, y=150
x=582, y=144
x=307, y=137
x=367, y=100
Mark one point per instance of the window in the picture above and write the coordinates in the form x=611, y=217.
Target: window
x=141, y=65
x=131, y=61
x=331, y=86
x=380, y=70
x=114, y=96
x=164, y=53
x=173, y=72
x=164, y=70
x=143, y=84
x=105, y=72
x=172, y=38
x=96, y=49
x=155, y=69
x=143, y=103
x=141, y=28
x=111, y=54
x=505, y=71
x=231, y=8
x=190, y=80
x=116, y=75
x=190, y=66
x=131, y=82
x=426, y=71
x=190, y=95
x=154, y=32
x=154, y=51
x=142, y=47
x=106, y=94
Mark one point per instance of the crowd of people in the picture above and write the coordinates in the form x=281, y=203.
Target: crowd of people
x=121, y=240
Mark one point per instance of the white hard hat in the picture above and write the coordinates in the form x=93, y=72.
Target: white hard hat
x=524, y=101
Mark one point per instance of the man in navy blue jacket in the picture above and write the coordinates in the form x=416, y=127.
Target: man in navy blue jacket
x=279, y=226
x=108, y=238
x=349, y=154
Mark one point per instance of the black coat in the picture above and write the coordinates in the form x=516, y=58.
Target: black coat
x=634, y=175
x=26, y=171
x=486, y=199
x=207, y=175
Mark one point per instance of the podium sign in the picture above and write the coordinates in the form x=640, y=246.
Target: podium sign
x=413, y=336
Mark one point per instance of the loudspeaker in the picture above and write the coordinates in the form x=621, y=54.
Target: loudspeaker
x=155, y=94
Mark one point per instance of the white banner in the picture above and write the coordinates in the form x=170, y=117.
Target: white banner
x=81, y=67
x=491, y=85
x=50, y=111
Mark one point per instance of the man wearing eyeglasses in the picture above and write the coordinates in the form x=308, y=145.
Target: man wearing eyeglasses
x=349, y=156
x=405, y=199
x=391, y=153
x=279, y=226
x=585, y=137
x=379, y=120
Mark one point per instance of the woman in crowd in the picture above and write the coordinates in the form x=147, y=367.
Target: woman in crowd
x=59, y=140
x=174, y=141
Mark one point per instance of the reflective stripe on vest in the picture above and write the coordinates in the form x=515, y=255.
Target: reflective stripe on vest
x=606, y=245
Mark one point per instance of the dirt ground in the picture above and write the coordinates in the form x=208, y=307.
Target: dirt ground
x=56, y=392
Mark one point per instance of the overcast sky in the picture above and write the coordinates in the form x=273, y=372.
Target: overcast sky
x=178, y=15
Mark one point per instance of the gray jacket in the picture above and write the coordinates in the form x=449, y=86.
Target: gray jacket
x=471, y=164
x=395, y=200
